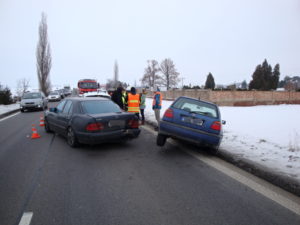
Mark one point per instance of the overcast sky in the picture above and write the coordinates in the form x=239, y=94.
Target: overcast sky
x=228, y=38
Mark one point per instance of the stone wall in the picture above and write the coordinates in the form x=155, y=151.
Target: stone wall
x=236, y=98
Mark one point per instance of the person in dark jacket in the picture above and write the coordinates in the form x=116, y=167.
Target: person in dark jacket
x=117, y=97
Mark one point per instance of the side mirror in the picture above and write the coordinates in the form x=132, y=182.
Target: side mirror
x=53, y=110
x=223, y=122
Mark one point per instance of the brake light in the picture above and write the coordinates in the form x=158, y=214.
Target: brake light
x=169, y=113
x=94, y=127
x=133, y=123
x=216, y=125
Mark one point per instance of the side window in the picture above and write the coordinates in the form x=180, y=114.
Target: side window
x=67, y=107
x=60, y=106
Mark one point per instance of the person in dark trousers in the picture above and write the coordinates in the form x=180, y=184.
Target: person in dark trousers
x=117, y=97
x=143, y=104
x=156, y=106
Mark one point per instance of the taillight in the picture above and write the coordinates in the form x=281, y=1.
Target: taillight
x=216, y=125
x=169, y=113
x=94, y=127
x=133, y=123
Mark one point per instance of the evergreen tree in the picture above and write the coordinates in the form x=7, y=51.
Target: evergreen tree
x=263, y=78
x=244, y=84
x=5, y=95
x=210, y=82
x=276, y=75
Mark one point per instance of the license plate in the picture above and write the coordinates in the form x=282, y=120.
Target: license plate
x=116, y=123
x=196, y=121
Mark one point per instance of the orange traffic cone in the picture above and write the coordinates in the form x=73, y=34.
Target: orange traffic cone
x=42, y=121
x=34, y=133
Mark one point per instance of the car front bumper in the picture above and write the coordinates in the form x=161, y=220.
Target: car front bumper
x=189, y=134
x=31, y=107
x=111, y=136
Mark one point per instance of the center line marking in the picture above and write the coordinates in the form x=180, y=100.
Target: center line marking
x=26, y=218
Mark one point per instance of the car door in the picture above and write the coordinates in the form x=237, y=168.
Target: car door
x=53, y=116
x=64, y=117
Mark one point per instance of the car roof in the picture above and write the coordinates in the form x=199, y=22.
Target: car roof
x=211, y=103
x=81, y=99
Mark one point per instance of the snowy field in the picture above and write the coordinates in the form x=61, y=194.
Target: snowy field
x=268, y=135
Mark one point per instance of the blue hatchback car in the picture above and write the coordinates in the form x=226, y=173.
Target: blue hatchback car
x=192, y=120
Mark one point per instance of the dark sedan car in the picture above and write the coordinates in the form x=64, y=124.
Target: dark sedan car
x=192, y=120
x=91, y=121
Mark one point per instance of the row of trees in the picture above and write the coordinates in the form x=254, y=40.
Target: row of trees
x=264, y=78
x=163, y=74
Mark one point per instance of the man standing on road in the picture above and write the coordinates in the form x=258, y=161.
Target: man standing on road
x=156, y=106
x=117, y=97
x=143, y=104
x=133, y=102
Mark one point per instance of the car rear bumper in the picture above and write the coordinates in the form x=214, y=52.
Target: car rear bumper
x=190, y=134
x=112, y=136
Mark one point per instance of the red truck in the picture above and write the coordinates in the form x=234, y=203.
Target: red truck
x=87, y=85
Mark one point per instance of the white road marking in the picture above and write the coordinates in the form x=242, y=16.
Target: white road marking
x=280, y=196
x=9, y=116
x=26, y=218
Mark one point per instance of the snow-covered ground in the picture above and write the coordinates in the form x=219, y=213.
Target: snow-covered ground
x=268, y=135
x=8, y=108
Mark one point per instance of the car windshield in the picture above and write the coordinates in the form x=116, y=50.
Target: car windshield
x=98, y=106
x=87, y=85
x=198, y=107
x=32, y=95
x=54, y=93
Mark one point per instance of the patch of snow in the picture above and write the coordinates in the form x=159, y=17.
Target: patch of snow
x=8, y=108
x=267, y=135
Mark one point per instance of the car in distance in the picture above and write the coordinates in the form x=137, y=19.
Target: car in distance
x=91, y=120
x=33, y=101
x=54, y=96
x=99, y=93
x=192, y=120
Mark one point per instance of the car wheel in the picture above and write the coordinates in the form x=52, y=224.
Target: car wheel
x=22, y=110
x=161, y=139
x=71, y=138
x=47, y=128
x=214, y=150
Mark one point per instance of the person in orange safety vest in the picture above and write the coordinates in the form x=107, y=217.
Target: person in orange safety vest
x=133, y=102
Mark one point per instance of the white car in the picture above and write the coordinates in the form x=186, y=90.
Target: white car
x=99, y=93
x=54, y=96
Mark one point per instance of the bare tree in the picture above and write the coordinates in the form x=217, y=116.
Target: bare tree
x=151, y=77
x=43, y=57
x=116, y=74
x=22, y=86
x=170, y=74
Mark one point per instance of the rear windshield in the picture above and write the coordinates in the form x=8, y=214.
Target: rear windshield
x=198, y=107
x=98, y=106
x=32, y=95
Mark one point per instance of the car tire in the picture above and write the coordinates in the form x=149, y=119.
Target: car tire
x=71, y=138
x=22, y=110
x=161, y=139
x=47, y=128
x=214, y=150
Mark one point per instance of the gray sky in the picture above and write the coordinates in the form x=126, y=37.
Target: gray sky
x=228, y=38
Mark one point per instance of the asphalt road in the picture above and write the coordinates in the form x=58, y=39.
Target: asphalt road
x=131, y=183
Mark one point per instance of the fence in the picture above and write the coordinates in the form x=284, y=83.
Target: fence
x=236, y=98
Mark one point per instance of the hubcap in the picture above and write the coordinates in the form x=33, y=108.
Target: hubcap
x=70, y=136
